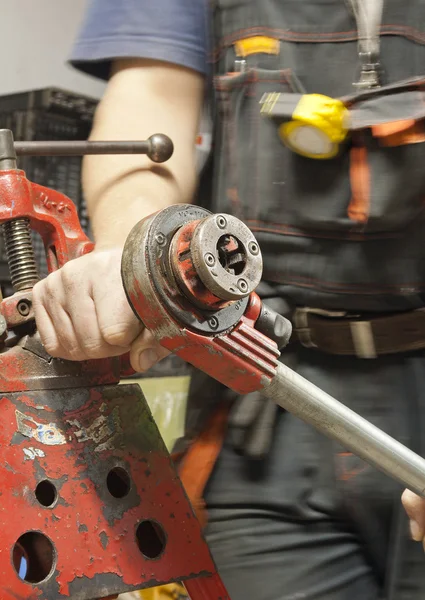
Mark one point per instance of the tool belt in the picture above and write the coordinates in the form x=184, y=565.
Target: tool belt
x=363, y=336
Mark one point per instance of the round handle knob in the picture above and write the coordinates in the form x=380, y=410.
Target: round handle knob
x=161, y=148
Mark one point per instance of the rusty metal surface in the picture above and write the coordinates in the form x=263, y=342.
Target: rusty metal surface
x=74, y=440
x=25, y=365
x=229, y=349
x=91, y=505
x=52, y=214
x=18, y=309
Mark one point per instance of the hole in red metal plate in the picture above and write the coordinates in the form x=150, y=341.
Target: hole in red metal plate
x=151, y=539
x=33, y=557
x=46, y=493
x=118, y=482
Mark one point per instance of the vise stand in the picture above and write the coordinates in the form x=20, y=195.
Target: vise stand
x=90, y=503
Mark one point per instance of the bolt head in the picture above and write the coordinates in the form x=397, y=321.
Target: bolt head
x=221, y=221
x=242, y=285
x=160, y=239
x=213, y=322
x=253, y=248
x=24, y=307
x=209, y=259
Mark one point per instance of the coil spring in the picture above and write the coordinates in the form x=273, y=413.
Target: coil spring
x=20, y=254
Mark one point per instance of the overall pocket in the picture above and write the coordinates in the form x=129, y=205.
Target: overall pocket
x=387, y=157
x=251, y=159
x=376, y=184
x=260, y=180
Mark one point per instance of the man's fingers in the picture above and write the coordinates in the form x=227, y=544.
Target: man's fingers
x=82, y=312
x=47, y=331
x=54, y=324
x=145, y=352
x=415, y=508
x=117, y=323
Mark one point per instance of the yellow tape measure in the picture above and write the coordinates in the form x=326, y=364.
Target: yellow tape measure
x=314, y=128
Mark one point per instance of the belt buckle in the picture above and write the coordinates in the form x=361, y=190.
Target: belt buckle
x=301, y=322
x=361, y=331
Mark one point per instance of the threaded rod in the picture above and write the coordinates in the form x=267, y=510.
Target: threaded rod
x=20, y=254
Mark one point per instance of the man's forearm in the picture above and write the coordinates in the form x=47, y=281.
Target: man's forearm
x=142, y=98
x=119, y=207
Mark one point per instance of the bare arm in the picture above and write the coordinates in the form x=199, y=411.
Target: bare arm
x=143, y=97
x=81, y=310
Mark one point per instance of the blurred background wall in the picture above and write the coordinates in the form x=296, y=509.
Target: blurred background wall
x=37, y=36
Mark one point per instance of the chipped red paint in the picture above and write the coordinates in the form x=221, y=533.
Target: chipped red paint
x=21, y=368
x=208, y=588
x=69, y=426
x=94, y=533
x=167, y=293
x=185, y=271
x=52, y=214
x=243, y=359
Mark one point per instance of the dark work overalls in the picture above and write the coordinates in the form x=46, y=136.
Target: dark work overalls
x=290, y=514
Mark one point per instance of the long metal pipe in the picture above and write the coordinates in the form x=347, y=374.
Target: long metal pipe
x=338, y=422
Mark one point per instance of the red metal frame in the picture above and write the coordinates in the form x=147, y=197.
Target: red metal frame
x=243, y=359
x=52, y=214
x=71, y=425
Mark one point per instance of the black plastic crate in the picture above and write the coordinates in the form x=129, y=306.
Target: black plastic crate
x=48, y=114
x=55, y=114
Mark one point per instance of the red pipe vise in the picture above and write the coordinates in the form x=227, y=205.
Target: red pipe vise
x=91, y=505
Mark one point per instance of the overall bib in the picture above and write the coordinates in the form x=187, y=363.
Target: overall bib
x=290, y=514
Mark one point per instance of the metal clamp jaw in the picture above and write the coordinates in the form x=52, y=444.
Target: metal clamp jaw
x=190, y=277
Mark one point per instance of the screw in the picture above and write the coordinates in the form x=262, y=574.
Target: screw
x=213, y=322
x=221, y=222
x=24, y=307
x=20, y=254
x=209, y=259
x=161, y=239
x=242, y=285
x=253, y=248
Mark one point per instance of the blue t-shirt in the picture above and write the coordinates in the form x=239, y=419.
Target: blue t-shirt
x=174, y=31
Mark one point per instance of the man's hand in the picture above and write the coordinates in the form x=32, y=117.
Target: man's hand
x=415, y=508
x=81, y=310
x=82, y=313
